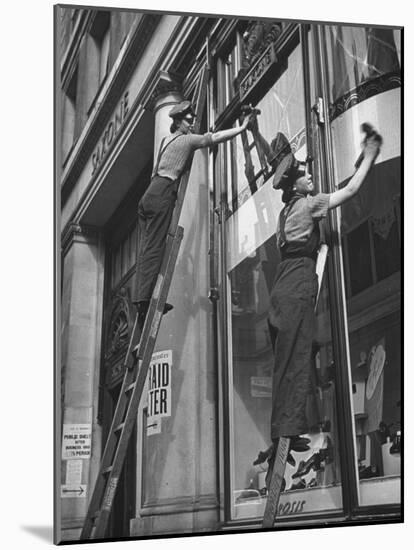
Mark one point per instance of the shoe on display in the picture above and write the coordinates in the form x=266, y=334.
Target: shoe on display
x=301, y=484
x=396, y=444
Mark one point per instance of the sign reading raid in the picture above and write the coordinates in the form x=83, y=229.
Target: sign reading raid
x=110, y=132
x=159, y=384
x=159, y=390
x=76, y=441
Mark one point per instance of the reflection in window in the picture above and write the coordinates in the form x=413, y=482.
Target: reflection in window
x=318, y=468
x=370, y=224
x=282, y=110
x=357, y=55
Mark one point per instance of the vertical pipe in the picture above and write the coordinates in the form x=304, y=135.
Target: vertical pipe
x=339, y=319
x=303, y=33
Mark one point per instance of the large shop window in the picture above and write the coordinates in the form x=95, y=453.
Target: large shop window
x=373, y=284
x=367, y=62
x=313, y=482
x=282, y=110
x=362, y=61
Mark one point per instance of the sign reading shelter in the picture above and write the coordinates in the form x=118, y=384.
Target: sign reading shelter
x=76, y=441
x=159, y=390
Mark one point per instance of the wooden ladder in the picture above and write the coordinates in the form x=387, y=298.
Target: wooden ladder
x=137, y=361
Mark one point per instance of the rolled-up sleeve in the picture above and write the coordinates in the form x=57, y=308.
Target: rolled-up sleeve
x=318, y=205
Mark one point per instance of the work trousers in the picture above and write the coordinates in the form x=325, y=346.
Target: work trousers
x=154, y=217
x=292, y=328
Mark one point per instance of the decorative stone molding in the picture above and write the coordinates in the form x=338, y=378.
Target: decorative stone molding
x=117, y=333
x=362, y=92
x=258, y=36
x=75, y=232
x=142, y=34
x=166, y=85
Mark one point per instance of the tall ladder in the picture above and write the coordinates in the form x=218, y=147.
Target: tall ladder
x=137, y=362
x=282, y=451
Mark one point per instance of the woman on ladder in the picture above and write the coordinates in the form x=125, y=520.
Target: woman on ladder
x=156, y=206
x=293, y=296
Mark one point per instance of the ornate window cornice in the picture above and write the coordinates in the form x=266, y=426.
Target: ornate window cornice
x=75, y=232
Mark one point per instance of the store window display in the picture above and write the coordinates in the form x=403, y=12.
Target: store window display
x=365, y=81
x=312, y=479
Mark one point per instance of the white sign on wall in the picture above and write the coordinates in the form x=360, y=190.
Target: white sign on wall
x=73, y=472
x=159, y=390
x=76, y=441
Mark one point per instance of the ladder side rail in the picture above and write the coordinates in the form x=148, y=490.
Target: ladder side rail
x=150, y=331
x=130, y=419
x=107, y=456
x=200, y=96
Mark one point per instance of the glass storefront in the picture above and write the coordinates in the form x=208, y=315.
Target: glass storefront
x=364, y=84
x=363, y=65
x=313, y=479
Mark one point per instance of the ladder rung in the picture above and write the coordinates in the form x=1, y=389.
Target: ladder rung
x=120, y=427
x=105, y=473
x=130, y=387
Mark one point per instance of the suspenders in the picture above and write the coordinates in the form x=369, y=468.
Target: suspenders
x=283, y=217
x=161, y=151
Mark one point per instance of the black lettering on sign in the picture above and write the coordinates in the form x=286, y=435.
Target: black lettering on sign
x=118, y=121
x=113, y=127
x=289, y=508
x=163, y=401
x=156, y=401
x=165, y=375
x=111, y=133
x=126, y=106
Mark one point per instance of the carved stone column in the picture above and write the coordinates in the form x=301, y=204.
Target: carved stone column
x=167, y=93
x=81, y=321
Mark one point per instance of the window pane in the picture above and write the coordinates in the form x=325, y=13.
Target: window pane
x=282, y=110
x=357, y=55
x=313, y=482
x=386, y=245
x=361, y=265
x=369, y=223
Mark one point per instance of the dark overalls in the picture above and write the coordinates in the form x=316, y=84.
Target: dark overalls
x=155, y=211
x=292, y=327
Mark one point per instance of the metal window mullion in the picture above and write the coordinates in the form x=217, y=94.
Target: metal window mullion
x=372, y=252
x=336, y=281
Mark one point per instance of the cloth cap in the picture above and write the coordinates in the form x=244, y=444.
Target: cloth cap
x=181, y=109
x=286, y=172
x=284, y=162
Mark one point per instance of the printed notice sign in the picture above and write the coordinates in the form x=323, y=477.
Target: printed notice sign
x=73, y=472
x=76, y=441
x=153, y=425
x=159, y=390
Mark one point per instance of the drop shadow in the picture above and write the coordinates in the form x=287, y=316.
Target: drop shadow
x=43, y=532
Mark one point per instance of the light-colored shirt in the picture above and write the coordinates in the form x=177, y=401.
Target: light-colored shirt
x=301, y=219
x=173, y=160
